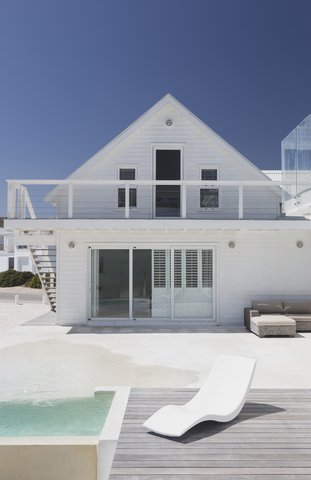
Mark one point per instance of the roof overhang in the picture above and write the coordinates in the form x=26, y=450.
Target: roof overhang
x=155, y=224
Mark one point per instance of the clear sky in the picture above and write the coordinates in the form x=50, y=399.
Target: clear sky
x=75, y=73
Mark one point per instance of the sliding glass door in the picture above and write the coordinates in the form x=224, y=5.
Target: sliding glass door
x=136, y=283
x=110, y=284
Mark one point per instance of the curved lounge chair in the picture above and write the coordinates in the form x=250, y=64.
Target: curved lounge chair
x=221, y=398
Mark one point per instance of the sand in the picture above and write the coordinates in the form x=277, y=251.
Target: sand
x=12, y=315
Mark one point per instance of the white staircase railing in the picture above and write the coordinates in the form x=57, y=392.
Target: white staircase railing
x=44, y=258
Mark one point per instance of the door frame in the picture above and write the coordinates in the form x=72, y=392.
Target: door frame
x=166, y=146
x=151, y=321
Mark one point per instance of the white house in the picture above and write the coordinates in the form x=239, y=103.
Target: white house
x=12, y=256
x=167, y=224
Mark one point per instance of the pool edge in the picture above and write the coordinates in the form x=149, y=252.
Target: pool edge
x=108, y=439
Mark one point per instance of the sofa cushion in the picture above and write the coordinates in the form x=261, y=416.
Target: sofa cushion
x=271, y=320
x=297, y=307
x=300, y=317
x=271, y=306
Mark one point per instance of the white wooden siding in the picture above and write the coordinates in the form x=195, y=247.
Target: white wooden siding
x=137, y=150
x=263, y=265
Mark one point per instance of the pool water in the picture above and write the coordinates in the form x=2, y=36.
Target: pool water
x=57, y=417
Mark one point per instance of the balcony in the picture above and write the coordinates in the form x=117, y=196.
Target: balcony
x=296, y=168
x=146, y=199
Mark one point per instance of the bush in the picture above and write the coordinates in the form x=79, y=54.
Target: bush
x=12, y=278
x=35, y=282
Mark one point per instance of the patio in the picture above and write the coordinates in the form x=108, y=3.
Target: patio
x=270, y=437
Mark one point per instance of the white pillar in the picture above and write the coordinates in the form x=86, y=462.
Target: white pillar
x=11, y=200
x=240, y=201
x=127, y=200
x=183, y=189
x=70, y=200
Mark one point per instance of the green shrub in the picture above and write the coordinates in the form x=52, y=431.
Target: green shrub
x=35, y=282
x=12, y=278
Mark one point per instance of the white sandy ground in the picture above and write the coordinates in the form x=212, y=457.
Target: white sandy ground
x=21, y=289
x=49, y=361
x=12, y=315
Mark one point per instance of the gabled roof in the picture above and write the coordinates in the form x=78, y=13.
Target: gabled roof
x=167, y=100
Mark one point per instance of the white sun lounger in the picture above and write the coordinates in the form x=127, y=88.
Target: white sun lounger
x=221, y=398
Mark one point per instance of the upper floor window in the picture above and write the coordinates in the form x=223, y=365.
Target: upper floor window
x=209, y=195
x=127, y=174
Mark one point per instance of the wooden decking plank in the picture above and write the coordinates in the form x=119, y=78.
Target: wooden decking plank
x=200, y=476
x=270, y=439
x=212, y=471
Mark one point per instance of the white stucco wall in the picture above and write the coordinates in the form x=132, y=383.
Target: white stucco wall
x=263, y=265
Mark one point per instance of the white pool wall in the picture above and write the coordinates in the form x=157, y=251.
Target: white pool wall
x=108, y=439
x=78, y=457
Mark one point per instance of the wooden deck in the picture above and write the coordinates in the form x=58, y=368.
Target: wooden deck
x=269, y=440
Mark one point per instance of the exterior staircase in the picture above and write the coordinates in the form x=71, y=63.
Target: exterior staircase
x=44, y=258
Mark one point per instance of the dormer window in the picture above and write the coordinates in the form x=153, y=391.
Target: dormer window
x=127, y=174
x=209, y=195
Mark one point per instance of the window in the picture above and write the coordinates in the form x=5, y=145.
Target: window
x=121, y=197
x=11, y=263
x=127, y=174
x=209, y=195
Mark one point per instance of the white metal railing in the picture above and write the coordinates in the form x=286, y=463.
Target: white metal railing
x=19, y=199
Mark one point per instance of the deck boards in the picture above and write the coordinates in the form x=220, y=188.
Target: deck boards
x=270, y=439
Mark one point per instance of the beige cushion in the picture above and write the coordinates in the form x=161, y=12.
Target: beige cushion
x=297, y=307
x=271, y=306
x=266, y=320
x=300, y=318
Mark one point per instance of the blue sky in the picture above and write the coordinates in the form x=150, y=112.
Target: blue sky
x=75, y=73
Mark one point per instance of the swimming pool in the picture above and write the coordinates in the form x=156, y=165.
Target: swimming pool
x=52, y=454
x=55, y=417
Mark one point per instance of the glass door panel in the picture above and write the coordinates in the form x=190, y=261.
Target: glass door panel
x=142, y=284
x=167, y=201
x=110, y=284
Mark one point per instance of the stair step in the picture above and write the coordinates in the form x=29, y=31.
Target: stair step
x=45, y=266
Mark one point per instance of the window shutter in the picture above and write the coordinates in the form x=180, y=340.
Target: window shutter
x=159, y=268
x=191, y=268
x=177, y=269
x=207, y=268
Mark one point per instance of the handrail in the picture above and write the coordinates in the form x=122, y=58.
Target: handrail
x=24, y=199
x=268, y=183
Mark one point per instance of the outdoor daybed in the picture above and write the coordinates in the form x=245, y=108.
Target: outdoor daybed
x=275, y=317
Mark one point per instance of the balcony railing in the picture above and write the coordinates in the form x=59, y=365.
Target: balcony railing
x=153, y=199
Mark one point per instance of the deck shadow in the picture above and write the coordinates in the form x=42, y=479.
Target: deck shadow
x=210, y=428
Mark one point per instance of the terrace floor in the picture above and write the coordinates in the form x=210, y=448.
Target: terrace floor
x=270, y=439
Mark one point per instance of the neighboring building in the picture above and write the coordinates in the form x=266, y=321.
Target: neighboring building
x=12, y=256
x=167, y=224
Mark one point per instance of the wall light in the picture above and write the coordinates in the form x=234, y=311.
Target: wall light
x=71, y=245
x=231, y=244
x=169, y=122
x=299, y=244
